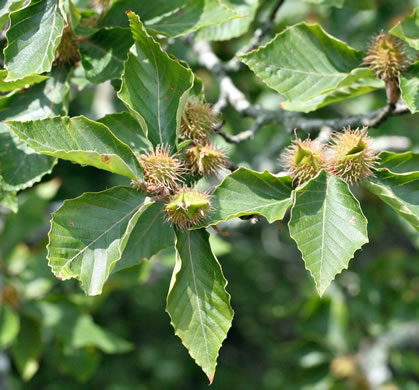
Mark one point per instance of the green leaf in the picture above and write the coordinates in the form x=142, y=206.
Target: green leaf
x=127, y=129
x=173, y=18
x=328, y=3
x=7, y=6
x=154, y=86
x=406, y=162
x=233, y=28
x=8, y=198
x=20, y=166
x=328, y=226
x=399, y=191
x=103, y=54
x=150, y=235
x=79, y=362
x=27, y=348
x=7, y=86
x=33, y=36
x=48, y=98
x=358, y=82
x=88, y=235
x=79, y=140
x=408, y=29
x=87, y=333
x=409, y=87
x=198, y=304
x=246, y=192
x=9, y=325
x=70, y=12
x=303, y=62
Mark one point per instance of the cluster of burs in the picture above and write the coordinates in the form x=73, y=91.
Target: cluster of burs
x=170, y=177
x=349, y=155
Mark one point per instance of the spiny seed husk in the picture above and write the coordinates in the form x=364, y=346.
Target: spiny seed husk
x=387, y=56
x=188, y=207
x=198, y=119
x=204, y=160
x=303, y=159
x=68, y=49
x=162, y=171
x=351, y=157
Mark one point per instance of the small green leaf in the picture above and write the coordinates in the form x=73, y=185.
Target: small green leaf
x=232, y=28
x=150, y=235
x=81, y=363
x=408, y=29
x=7, y=86
x=409, y=87
x=157, y=100
x=103, y=54
x=303, y=62
x=88, y=235
x=33, y=36
x=246, y=192
x=399, y=191
x=9, y=325
x=79, y=140
x=406, y=162
x=198, y=304
x=8, y=198
x=7, y=6
x=174, y=17
x=20, y=166
x=27, y=348
x=128, y=130
x=328, y=226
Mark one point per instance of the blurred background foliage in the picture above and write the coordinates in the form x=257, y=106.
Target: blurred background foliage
x=284, y=336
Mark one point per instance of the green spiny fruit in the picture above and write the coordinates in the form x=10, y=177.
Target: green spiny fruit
x=187, y=207
x=68, y=49
x=387, y=57
x=351, y=157
x=303, y=159
x=204, y=160
x=162, y=171
x=198, y=119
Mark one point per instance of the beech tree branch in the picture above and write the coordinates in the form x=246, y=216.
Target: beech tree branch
x=230, y=93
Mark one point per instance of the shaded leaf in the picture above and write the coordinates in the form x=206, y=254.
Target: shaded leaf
x=198, y=304
x=79, y=362
x=232, y=28
x=127, y=129
x=33, y=36
x=20, y=166
x=406, y=162
x=303, y=62
x=9, y=325
x=154, y=87
x=399, y=191
x=150, y=235
x=173, y=18
x=103, y=53
x=408, y=29
x=7, y=86
x=49, y=98
x=246, y=192
x=7, y=6
x=409, y=87
x=328, y=226
x=27, y=348
x=8, y=198
x=88, y=235
x=79, y=140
